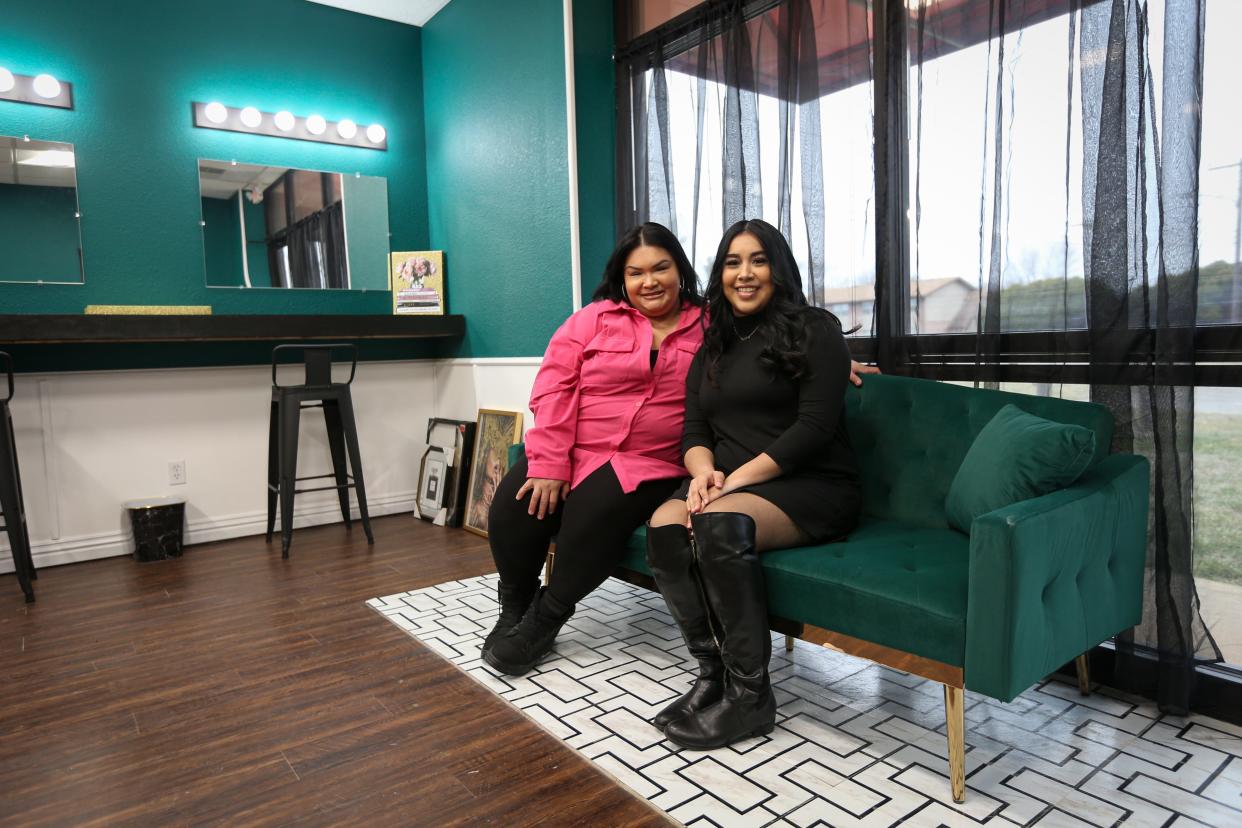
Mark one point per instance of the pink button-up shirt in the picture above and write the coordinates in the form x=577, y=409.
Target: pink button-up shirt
x=597, y=399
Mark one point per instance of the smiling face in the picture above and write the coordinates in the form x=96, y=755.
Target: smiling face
x=747, y=277
x=652, y=283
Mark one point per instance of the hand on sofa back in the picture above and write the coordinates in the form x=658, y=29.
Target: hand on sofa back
x=911, y=435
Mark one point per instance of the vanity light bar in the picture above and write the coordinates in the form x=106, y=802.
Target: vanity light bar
x=41, y=90
x=285, y=124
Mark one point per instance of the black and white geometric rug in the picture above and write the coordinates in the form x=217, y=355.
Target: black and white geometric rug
x=855, y=743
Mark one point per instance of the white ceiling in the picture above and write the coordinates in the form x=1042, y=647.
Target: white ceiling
x=14, y=173
x=222, y=179
x=413, y=12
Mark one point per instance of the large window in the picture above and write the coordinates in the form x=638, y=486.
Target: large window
x=1220, y=171
x=995, y=147
x=1218, y=528
x=1044, y=195
x=806, y=165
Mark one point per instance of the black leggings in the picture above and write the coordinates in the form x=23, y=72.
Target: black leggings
x=591, y=527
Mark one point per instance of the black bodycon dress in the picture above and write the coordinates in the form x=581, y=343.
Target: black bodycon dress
x=799, y=423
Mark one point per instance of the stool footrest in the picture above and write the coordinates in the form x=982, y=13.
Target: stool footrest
x=326, y=488
x=349, y=485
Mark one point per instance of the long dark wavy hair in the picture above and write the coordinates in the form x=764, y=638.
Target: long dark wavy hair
x=612, y=286
x=782, y=323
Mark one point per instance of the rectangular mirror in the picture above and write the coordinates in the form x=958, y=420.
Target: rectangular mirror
x=39, y=233
x=281, y=227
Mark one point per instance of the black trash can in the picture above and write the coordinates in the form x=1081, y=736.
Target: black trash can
x=157, y=523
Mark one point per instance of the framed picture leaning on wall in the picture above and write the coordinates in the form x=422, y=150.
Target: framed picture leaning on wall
x=451, y=443
x=432, y=483
x=495, y=433
x=417, y=282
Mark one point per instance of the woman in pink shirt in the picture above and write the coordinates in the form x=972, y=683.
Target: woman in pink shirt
x=609, y=402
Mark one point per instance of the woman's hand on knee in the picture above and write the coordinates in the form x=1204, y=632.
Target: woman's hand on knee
x=545, y=495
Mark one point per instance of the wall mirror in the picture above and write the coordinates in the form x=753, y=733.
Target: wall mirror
x=267, y=227
x=39, y=233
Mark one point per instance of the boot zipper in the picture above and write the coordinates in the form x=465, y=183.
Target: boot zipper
x=698, y=582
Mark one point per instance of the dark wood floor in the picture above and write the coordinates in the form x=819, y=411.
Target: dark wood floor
x=231, y=687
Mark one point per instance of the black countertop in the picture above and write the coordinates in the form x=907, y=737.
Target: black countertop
x=50, y=328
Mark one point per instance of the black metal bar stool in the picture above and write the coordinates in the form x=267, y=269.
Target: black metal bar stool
x=318, y=391
x=12, y=510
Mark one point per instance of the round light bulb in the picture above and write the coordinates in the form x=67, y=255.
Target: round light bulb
x=346, y=128
x=7, y=81
x=216, y=112
x=251, y=117
x=315, y=125
x=284, y=120
x=46, y=86
x=376, y=134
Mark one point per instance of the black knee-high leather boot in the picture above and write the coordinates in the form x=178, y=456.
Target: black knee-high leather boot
x=671, y=560
x=733, y=582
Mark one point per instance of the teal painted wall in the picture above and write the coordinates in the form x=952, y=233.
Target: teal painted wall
x=595, y=113
x=497, y=173
x=38, y=234
x=487, y=181
x=137, y=64
x=222, y=249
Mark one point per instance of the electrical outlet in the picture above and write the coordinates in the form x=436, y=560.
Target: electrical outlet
x=176, y=472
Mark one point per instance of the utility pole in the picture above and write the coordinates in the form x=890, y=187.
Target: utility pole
x=1237, y=247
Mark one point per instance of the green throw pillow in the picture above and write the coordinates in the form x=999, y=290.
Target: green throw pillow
x=1017, y=456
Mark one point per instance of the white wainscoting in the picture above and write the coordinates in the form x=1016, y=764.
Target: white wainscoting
x=88, y=441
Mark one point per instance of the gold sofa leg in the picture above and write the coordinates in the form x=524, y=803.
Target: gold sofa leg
x=789, y=640
x=1084, y=674
x=955, y=716
x=547, y=566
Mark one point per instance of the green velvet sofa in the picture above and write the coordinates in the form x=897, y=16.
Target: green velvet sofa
x=1034, y=585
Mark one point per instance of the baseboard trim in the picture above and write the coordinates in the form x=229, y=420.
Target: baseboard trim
x=200, y=530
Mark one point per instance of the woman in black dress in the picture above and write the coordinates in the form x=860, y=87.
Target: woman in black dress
x=770, y=466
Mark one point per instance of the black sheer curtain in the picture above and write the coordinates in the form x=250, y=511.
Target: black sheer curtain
x=1031, y=212
x=722, y=117
x=316, y=245
x=1085, y=115
x=1142, y=256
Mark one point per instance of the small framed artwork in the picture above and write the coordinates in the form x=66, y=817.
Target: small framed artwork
x=417, y=282
x=432, y=483
x=495, y=432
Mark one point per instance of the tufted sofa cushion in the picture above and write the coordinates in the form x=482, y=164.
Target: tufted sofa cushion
x=911, y=435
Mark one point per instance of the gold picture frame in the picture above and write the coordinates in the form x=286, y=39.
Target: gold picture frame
x=495, y=433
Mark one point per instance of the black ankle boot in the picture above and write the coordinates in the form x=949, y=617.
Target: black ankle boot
x=521, y=648
x=733, y=583
x=671, y=560
x=514, y=601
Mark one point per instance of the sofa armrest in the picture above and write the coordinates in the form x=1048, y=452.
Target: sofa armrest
x=1053, y=576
